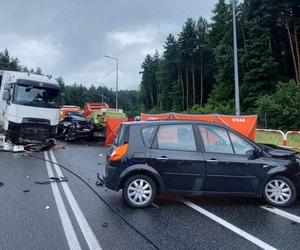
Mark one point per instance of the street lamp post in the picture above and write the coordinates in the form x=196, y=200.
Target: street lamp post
x=117, y=76
x=236, y=69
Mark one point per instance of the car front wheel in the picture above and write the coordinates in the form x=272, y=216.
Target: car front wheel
x=139, y=191
x=280, y=191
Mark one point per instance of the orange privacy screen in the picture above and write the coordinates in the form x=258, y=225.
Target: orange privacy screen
x=245, y=125
x=112, y=129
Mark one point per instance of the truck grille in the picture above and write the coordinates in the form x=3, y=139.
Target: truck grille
x=36, y=129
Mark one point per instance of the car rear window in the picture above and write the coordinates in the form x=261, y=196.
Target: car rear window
x=123, y=135
x=147, y=133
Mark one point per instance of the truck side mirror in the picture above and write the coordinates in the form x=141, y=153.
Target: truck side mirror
x=7, y=86
x=6, y=95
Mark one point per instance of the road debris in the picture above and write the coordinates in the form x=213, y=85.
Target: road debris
x=100, y=181
x=1, y=183
x=26, y=190
x=8, y=146
x=46, y=145
x=47, y=207
x=32, y=147
x=52, y=179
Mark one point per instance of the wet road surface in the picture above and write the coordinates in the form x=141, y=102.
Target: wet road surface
x=69, y=215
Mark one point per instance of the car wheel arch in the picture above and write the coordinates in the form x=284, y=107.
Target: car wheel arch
x=143, y=170
x=292, y=178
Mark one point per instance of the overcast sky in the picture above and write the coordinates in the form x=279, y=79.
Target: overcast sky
x=69, y=38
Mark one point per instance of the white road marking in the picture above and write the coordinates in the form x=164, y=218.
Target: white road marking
x=86, y=230
x=282, y=213
x=228, y=225
x=63, y=214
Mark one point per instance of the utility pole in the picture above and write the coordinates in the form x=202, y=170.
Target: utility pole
x=236, y=69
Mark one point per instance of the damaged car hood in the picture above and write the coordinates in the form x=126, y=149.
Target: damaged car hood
x=278, y=151
x=282, y=153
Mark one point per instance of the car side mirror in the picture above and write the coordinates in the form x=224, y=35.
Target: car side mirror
x=6, y=95
x=252, y=154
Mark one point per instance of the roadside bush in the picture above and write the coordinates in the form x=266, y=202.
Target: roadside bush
x=282, y=109
x=156, y=110
x=210, y=109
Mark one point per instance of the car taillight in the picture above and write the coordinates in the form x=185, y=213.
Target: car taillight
x=119, y=153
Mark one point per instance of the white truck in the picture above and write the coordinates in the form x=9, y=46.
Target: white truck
x=29, y=107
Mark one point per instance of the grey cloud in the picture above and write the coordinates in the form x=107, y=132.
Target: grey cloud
x=69, y=38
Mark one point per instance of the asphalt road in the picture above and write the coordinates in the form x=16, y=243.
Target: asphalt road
x=69, y=215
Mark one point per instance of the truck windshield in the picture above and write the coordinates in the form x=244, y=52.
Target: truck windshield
x=36, y=96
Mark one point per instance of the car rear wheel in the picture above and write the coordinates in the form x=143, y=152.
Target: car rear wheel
x=280, y=191
x=139, y=191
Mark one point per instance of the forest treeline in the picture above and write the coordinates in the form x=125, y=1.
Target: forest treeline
x=195, y=72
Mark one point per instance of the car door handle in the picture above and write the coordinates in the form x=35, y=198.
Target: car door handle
x=213, y=160
x=162, y=158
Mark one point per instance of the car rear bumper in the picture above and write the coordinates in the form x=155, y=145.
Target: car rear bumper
x=111, y=177
x=298, y=181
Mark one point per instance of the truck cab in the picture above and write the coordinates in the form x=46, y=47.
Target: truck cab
x=29, y=107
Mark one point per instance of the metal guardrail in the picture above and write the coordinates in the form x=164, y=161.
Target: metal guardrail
x=293, y=139
x=285, y=136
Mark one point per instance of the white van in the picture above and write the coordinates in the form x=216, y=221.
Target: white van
x=29, y=107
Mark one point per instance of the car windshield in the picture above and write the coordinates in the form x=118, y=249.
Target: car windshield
x=36, y=96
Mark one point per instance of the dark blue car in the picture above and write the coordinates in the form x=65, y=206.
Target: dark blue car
x=193, y=158
x=75, y=126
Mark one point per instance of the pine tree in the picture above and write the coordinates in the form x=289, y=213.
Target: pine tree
x=220, y=41
x=173, y=89
x=260, y=68
x=149, y=84
x=9, y=63
x=203, y=60
x=188, y=44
